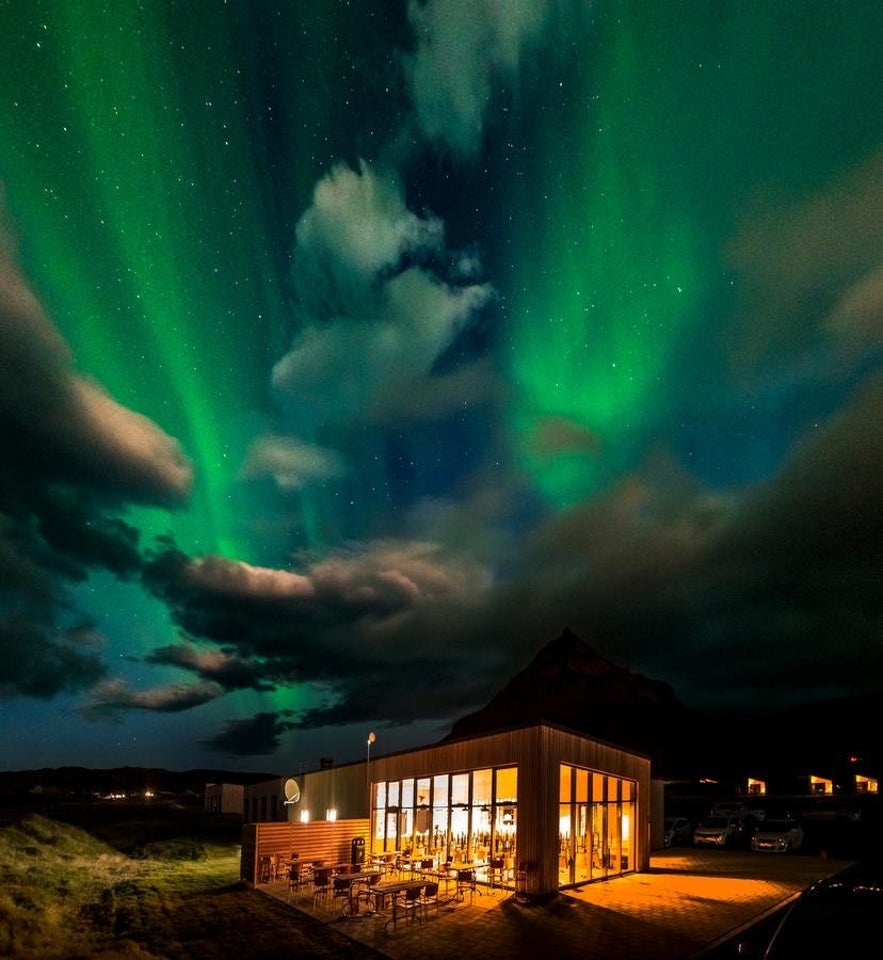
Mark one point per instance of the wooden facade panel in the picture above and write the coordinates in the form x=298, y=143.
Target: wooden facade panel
x=248, y=853
x=329, y=840
x=494, y=750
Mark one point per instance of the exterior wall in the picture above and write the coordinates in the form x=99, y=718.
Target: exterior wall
x=224, y=798
x=657, y=815
x=343, y=789
x=264, y=802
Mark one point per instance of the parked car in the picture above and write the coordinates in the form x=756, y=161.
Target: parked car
x=836, y=917
x=677, y=830
x=777, y=836
x=717, y=831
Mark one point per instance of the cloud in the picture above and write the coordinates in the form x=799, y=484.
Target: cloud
x=255, y=736
x=59, y=425
x=732, y=598
x=223, y=667
x=110, y=697
x=559, y=435
x=40, y=661
x=291, y=464
x=375, y=309
x=72, y=458
x=258, y=607
x=356, y=229
x=465, y=49
x=367, y=624
x=812, y=274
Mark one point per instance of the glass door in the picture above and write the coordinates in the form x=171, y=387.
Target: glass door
x=600, y=852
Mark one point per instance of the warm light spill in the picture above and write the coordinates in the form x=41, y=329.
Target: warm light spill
x=820, y=785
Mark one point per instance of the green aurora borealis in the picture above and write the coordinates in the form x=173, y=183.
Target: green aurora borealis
x=156, y=159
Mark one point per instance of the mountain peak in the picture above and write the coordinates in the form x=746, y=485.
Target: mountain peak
x=568, y=652
x=571, y=684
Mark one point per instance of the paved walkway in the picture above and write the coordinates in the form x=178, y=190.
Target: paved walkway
x=689, y=901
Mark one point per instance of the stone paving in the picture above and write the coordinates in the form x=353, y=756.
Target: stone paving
x=690, y=901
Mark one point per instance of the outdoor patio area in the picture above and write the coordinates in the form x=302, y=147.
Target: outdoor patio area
x=688, y=902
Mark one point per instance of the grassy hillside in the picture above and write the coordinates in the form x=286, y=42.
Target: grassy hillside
x=140, y=888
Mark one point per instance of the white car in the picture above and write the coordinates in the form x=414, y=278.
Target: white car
x=717, y=831
x=778, y=836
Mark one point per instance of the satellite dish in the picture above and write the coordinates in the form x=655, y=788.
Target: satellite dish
x=292, y=790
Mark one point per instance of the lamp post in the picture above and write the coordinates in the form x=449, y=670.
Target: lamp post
x=371, y=739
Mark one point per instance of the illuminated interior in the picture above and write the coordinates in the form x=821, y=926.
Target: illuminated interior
x=865, y=784
x=820, y=785
x=595, y=818
x=456, y=817
x=756, y=788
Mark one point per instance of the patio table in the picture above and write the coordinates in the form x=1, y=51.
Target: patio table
x=392, y=889
x=351, y=881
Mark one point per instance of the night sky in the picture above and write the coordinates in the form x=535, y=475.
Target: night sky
x=350, y=351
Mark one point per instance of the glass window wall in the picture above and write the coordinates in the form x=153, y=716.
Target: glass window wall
x=460, y=817
x=595, y=836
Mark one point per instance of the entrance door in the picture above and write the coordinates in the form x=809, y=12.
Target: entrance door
x=583, y=835
x=600, y=850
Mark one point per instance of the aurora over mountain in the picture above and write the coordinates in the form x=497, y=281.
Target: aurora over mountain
x=349, y=351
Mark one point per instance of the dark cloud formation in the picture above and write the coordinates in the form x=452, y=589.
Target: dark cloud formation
x=71, y=458
x=57, y=425
x=223, y=667
x=39, y=660
x=110, y=697
x=762, y=597
x=757, y=598
x=256, y=736
x=362, y=625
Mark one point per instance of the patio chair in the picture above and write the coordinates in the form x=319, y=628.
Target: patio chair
x=496, y=872
x=429, y=897
x=409, y=904
x=367, y=894
x=321, y=885
x=342, y=891
x=300, y=876
x=466, y=881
